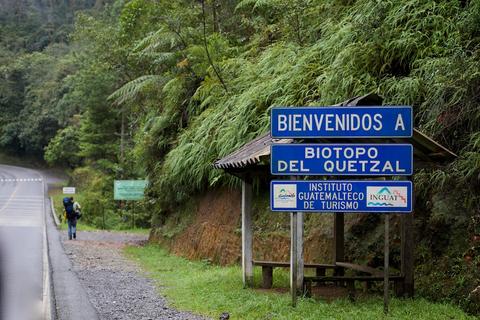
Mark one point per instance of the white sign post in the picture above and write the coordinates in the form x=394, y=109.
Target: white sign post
x=68, y=190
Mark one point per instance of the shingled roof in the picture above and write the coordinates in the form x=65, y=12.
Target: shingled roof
x=427, y=152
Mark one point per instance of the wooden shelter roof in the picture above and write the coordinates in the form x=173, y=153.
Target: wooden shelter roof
x=427, y=152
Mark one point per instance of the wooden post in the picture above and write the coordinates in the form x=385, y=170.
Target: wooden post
x=408, y=250
x=300, y=261
x=339, y=243
x=339, y=238
x=247, y=234
x=386, y=265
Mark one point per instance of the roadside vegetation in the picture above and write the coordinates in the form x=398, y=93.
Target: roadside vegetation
x=212, y=290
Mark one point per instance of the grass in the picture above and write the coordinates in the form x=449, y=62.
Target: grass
x=211, y=290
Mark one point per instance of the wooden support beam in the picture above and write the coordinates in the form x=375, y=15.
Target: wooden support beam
x=407, y=251
x=247, y=234
x=339, y=238
x=407, y=255
x=386, y=296
x=339, y=244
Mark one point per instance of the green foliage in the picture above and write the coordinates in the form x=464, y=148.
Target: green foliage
x=63, y=148
x=131, y=90
x=451, y=278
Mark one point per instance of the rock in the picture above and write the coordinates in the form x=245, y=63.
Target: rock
x=475, y=295
x=225, y=316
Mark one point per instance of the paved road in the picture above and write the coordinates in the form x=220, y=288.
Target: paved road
x=36, y=277
x=21, y=243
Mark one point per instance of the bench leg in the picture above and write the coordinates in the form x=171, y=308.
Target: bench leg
x=320, y=272
x=351, y=290
x=267, y=276
x=367, y=286
x=339, y=272
x=307, y=288
x=398, y=288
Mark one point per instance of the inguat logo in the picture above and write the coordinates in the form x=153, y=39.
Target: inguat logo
x=387, y=196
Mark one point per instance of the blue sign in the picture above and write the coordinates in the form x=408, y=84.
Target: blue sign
x=341, y=196
x=342, y=159
x=342, y=122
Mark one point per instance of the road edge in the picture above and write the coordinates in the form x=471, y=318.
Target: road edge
x=47, y=292
x=68, y=298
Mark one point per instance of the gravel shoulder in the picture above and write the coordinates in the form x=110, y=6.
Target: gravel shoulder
x=115, y=285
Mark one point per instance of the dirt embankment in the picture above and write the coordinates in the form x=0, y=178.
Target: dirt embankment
x=214, y=232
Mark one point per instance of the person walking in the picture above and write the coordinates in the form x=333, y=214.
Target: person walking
x=71, y=217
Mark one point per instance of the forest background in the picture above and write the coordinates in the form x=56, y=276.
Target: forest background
x=161, y=89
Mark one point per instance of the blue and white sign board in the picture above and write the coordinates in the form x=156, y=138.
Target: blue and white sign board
x=342, y=122
x=342, y=159
x=341, y=196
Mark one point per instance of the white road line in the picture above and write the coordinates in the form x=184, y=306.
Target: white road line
x=21, y=180
x=23, y=197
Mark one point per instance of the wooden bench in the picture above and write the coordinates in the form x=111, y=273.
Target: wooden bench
x=268, y=266
x=357, y=267
x=372, y=275
x=349, y=280
x=338, y=277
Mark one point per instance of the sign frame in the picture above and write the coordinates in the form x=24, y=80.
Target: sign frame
x=353, y=145
x=367, y=183
x=346, y=109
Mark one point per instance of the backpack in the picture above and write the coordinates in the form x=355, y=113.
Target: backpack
x=67, y=201
x=68, y=204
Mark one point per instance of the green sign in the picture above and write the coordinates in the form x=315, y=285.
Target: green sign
x=129, y=189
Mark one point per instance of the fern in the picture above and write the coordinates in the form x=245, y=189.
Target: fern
x=131, y=90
